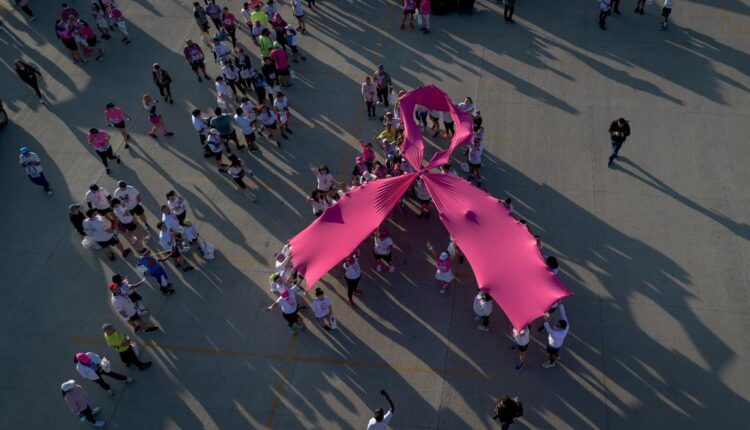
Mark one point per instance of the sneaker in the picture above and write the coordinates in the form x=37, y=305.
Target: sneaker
x=96, y=410
x=392, y=269
x=99, y=424
x=153, y=135
x=442, y=290
x=483, y=328
x=126, y=253
x=145, y=365
x=208, y=78
x=521, y=366
x=169, y=133
x=327, y=328
x=50, y=192
x=152, y=329
x=127, y=145
x=547, y=364
x=110, y=392
x=130, y=380
x=352, y=304
x=106, y=170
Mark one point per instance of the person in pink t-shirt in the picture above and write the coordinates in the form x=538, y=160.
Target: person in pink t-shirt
x=154, y=117
x=117, y=18
x=425, y=9
x=116, y=117
x=281, y=61
x=410, y=6
x=99, y=139
x=229, y=23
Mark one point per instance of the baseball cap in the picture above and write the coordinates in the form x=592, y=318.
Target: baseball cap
x=68, y=385
x=74, y=206
x=24, y=150
x=82, y=358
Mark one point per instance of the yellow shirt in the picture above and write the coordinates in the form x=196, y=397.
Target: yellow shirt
x=115, y=341
x=390, y=135
x=259, y=16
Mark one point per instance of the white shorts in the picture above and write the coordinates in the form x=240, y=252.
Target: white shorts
x=444, y=276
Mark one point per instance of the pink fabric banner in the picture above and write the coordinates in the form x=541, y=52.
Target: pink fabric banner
x=342, y=227
x=501, y=251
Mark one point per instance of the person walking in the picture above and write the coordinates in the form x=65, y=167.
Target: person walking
x=150, y=264
x=425, y=10
x=639, y=4
x=79, y=403
x=506, y=410
x=118, y=19
x=100, y=19
x=522, y=339
x=92, y=367
x=163, y=80
x=556, y=336
x=474, y=160
x=124, y=347
x=352, y=275
x=299, y=14
x=665, y=12
x=370, y=94
x=215, y=144
x=409, y=7
x=28, y=75
x=382, y=85
x=444, y=274
x=98, y=198
x=170, y=241
x=154, y=117
x=129, y=290
x=176, y=204
x=281, y=60
x=124, y=306
x=604, y=10
x=287, y=300
x=131, y=199
x=382, y=250
x=201, y=127
x=201, y=20
x=323, y=310
x=243, y=121
x=236, y=171
x=100, y=230
x=483, y=309
x=619, y=130
x=76, y=218
x=380, y=418
x=214, y=12
x=33, y=167
x=116, y=118
x=509, y=8
x=229, y=24
x=24, y=6
x=65, y=33
x=99, y=139
x=268, y=119
x=616, y=7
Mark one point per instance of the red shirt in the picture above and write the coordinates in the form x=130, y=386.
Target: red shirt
x=228, y=20
x=280, y=58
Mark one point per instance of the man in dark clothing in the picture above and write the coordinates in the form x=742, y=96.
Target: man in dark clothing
x=506, y=410
x=619, y=130
x=223, y=123
x=76, y=218
x=162, y=79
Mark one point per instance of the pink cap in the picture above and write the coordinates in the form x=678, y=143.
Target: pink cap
x=285, y=294
x=82, y=358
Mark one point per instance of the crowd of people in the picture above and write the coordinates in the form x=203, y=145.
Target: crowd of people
x=251, y=97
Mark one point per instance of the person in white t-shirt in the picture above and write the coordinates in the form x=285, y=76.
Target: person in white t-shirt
x=177, y=205
x=665, y=11
x=381, y=419
x=201, y=127
x=322, y=309
x=556, y=336
x=247, y=126
x=33, y=167
x=382, y=250
x=424, y=198
x=483, y=309
x=128, y=223
x=352, y=274
x=287, y=300
x=324, y=178
x=474, y=157
x=98, y=198
x=100, y=230
x=131, y=199
x=522, y=339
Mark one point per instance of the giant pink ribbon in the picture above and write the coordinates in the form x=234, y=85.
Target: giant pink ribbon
x=500, y=250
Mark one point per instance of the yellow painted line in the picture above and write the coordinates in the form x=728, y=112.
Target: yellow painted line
x=290, y=357
x=730, y=22
x=281, y=380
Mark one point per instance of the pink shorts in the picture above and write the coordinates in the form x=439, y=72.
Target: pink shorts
x=155, y=119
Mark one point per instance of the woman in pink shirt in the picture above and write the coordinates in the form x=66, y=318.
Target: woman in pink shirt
x=154, y=117
x=281, y=61
x=229, y=23
x=371, y=96
x=99, y=139
x=425, y=9
x=116, y=117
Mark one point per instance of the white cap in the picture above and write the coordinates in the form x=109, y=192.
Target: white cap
x=444, y=256
x=68, y=385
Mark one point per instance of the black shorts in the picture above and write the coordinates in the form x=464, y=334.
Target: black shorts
x=249, y=137
x=408, y=12
x=387, y=257
x=294, y=49
x=70, y=44
x=175, y=253
x=111, y=242
x=199, y=64
x=120, y=124
x=666, y=11
x=104, y=212
x=137, y=210
x=217, y=155
x=204, y=26
x=134, y=317
x=131, y=226
x=290, y=318
x=522, y=348
x=284, y=72
x=551, y=350
x=91, y=42
x=134, y=297
x=476, y=166
x=272, y=126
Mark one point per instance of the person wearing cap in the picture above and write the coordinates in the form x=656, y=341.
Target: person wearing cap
x=131, y=200
x=99, y=198
x=116, y=117
x=99, y=139
x=124, y=305
x=92, y=367
x=259, y=16
x=128, y=289
x=177, y=205
x=382, y=250
x=380, y=418
x=76, y=218
x=215, y=144
x=383, y=83
x=151, y=264
x=33, y=167
x=483, y=309
x=79, y=403
x=163, y=81
x=100, y=230
x=287, y=300
x=122, y=344
x=444, y=274
x=281, y=60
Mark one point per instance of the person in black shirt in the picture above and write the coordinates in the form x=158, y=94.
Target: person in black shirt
x=619, y=130
x=76, y=218
x=28, y=75
x=506, y=410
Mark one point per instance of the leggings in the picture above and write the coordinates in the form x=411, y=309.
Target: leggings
x=351, y=286
x=165, y=90
x=449, y=128
x=370, y=109
x=382, y=95
x=34, y=84
x=105, y=155
x=88, y=414
x=41, y=181
x=240, y=183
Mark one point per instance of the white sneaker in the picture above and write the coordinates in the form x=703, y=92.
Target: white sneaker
x=392, y=269
x=50, y=192
x=378, y=268
x=477, y=318
x=110, y=392
x=547, y=364
x=483, y=328
x=99, y=424
x=129, y=380
x=96, y=410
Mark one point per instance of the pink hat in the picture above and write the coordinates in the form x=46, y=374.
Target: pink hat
x=358, y=159
x=285, y=294
x=82, y=358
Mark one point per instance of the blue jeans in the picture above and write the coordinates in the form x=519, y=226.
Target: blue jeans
x=615, y=150
x=41, y=181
